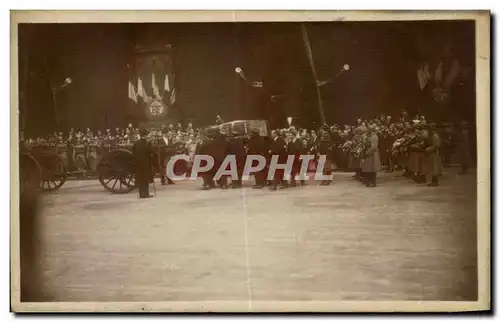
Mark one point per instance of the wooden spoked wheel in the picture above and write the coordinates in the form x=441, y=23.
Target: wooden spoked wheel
x=54, y=173
x=115, y=171
x=30, y=173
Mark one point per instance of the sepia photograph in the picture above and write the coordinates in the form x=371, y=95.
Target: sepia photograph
x=245, y=161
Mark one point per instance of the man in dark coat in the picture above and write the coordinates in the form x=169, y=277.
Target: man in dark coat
x=325, y=148
x=236, y=147
x=257, y=145
x=385, y=145
x=268, y=142
x=303, y=149
x=278, y=147
x=293, y=148
x=142, y=153
x=205, y=148
x=219, y=150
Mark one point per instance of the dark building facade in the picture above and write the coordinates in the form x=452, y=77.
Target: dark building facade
x=102, y=59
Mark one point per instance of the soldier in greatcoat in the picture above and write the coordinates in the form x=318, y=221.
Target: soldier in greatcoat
x=142, y=153
x=370, y=163
x=432, y=160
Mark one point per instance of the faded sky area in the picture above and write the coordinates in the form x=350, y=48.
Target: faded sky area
x=383, y=56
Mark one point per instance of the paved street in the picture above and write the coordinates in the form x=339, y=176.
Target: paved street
x=398, y=241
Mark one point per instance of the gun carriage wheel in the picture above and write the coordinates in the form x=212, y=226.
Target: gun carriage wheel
x=54, y=172
x=30, y=172
x=116, y=171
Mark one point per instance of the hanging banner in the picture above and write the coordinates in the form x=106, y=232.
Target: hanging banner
x=153, y=91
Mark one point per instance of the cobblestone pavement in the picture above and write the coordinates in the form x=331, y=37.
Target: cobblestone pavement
x=398, y=241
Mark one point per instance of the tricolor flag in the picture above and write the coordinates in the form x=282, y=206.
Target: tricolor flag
x=140, y=90
x=132, y=94
x=156, y=91
x=427, y=74
x=172, y=97
x=167, y=83
x=421, y=78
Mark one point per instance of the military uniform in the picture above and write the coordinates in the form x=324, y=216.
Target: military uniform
x=432, y=168
x=370, y=163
